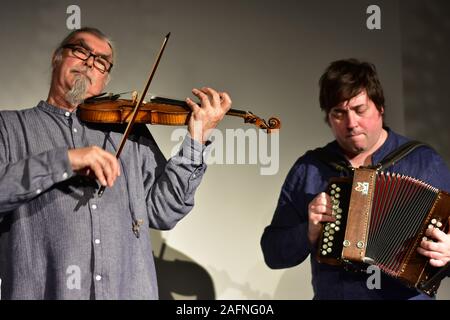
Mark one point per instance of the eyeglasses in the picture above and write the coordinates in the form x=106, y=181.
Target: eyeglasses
x=100, y=63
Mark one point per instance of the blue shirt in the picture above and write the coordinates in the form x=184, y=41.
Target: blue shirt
x=285, y=241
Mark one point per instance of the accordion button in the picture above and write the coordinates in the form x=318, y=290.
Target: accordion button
x=329, y=250
x=339, y=210
x=430, y=226
x=338, y=189
x=331, y=231
x=334, y=186
x=332, y=192
x=331, y=238
x=338, y=222
x=326, y=234
x=324, y=253
x=330, y=244
x=333, y=225
x=324, y=246
x=424, y=238
x=325, y=240
x=337, y=195
x=338, y=216
x=337, y=228
x=433, y=221
x=439, y=224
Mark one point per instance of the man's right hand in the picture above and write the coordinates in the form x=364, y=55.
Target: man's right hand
x=319, y=210
x=95, y=162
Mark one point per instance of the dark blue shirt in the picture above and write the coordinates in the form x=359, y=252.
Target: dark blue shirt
x=285, y=241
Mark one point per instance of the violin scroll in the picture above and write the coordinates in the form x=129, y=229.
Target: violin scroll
x=272, y=124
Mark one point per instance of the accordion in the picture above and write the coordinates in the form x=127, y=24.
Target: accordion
x=381, y=218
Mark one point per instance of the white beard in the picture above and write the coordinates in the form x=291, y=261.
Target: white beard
x=77, y=93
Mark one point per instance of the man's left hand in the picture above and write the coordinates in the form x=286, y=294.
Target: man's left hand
x=204, y=118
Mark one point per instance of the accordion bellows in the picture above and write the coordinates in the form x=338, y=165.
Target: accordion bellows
x=381, y=218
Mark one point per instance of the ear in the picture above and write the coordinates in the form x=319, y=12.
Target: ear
x=382, y=110
x=56, y=58
x=327, y=119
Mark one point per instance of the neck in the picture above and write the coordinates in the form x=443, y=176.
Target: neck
x=365, y=158
x=56, y=98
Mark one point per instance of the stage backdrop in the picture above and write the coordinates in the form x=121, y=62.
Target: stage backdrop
x=269, y=56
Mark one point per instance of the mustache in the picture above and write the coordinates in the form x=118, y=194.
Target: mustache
x=82, y=71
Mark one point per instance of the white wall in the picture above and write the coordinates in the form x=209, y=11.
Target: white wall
x=268, y=55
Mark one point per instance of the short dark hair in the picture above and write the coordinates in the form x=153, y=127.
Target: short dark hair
x=345, y=79
x=67, y=40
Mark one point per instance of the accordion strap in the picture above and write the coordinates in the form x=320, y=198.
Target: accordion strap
x=333, y=160
x=340, y=164
x=398, y=154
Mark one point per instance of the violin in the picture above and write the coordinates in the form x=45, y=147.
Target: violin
x=111, y=109
x=159, y=111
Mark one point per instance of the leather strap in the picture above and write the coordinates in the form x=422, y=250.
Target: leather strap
x=341, y=165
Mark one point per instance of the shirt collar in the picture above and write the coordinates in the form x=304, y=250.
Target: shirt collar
x=392, y=142
x=53, y=109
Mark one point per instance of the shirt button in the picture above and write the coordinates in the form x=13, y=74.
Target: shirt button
x=94, y=206
x=38, y=191
x=67, y=114
x=75, y=130
x=98, y=277
x=97, y=241
x=65, y=175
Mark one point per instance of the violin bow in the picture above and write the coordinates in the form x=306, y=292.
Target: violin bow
x=138, y=105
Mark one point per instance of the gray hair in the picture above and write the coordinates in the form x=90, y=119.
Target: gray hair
x=94, y=31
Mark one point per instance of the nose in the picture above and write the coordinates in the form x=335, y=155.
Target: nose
x=89, y=62
x=352, y=121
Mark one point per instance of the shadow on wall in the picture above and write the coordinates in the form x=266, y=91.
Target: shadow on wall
x=295, y=283
x=179, y=277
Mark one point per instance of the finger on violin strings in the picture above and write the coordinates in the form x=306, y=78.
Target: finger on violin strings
x=225, y=100
x=203, y=96
x=213, y=95
x=192, y=104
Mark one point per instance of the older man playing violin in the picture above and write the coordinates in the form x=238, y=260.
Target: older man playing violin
x=58, y=239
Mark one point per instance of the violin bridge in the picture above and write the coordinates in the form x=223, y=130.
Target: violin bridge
x=134, y=97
